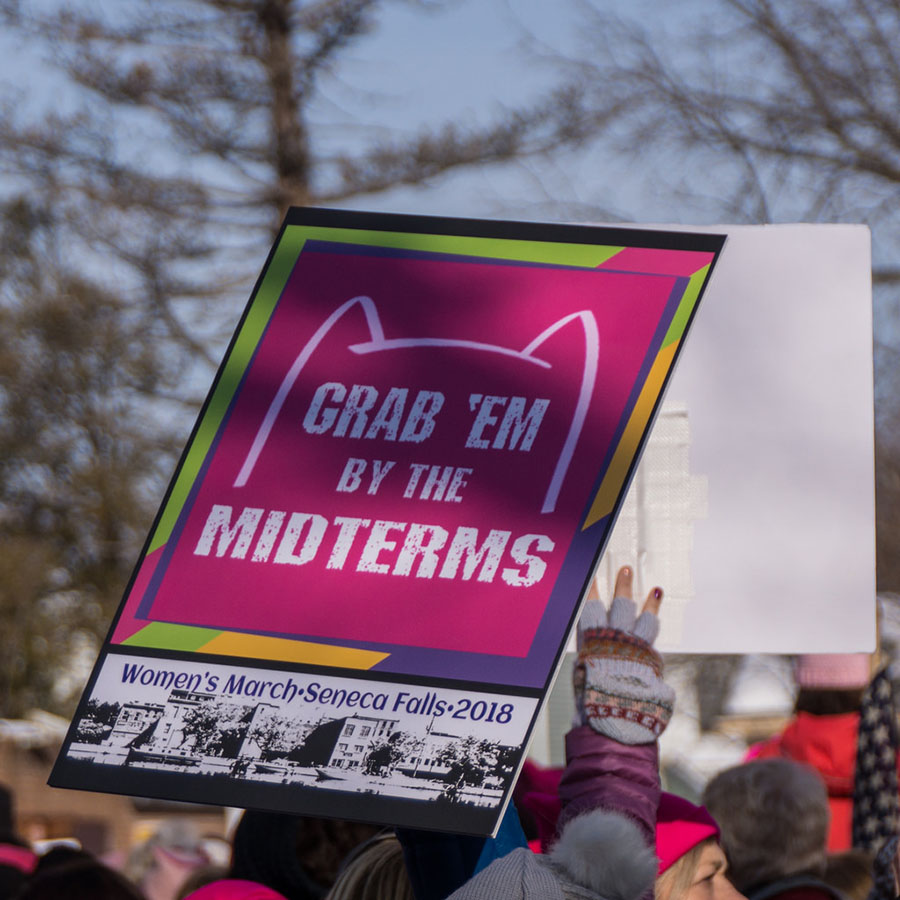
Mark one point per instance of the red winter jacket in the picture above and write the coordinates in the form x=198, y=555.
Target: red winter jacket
x=828, y=744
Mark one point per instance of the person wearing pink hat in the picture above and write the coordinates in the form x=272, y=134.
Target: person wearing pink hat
x=691, y=863
x=615, y=836
x=234, y=889
x=682, y=832
x=823, y=731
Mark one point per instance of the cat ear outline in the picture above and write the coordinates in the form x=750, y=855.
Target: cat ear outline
x=585, y=393
x=262, y=434
x=378, y=342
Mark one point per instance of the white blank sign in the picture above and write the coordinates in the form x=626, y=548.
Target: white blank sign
x=776, y=384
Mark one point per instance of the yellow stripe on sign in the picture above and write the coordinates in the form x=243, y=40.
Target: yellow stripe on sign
x=612, y=482
x=254, y=646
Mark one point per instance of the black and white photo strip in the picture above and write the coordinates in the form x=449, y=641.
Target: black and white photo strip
x=436, y=746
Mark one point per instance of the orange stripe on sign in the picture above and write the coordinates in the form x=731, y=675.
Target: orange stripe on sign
x=253, y=646
x=611, y=486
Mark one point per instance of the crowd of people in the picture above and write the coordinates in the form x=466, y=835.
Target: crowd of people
x=796, y=821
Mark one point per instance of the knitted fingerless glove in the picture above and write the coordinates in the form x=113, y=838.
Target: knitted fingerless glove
x=618, y=682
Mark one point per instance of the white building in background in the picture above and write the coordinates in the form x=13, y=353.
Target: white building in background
x=654, y=533
x=655, y=528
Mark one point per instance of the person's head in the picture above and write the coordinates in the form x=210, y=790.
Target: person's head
x=774, y=817
x=234, y=889
x=17, y=861
x=692, y=866
x=7, y=817
x=201, y=877
x=374, y=871
x=700, y=874
x=62, y=855
x=298, y=856
x=11, y=879
x=830, y=684
x=160, y=864
x=82, y=879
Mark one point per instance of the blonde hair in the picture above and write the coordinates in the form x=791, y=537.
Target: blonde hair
x=376, y=872
x=678, y=878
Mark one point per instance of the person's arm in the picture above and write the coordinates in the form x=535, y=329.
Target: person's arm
x=622, y=706
x=602, y=773
x=609, y=791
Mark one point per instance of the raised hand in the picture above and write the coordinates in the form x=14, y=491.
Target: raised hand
x=618, y=676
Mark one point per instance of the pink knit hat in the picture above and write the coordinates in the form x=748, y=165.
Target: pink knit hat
x=234, y=889
x=680, y=826
x=833, y=670
x=18, y=858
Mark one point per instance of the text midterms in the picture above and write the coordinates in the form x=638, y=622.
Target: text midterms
x=379, y=547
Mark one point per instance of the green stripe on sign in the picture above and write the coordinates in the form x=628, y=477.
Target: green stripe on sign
x=685, y=307
x=162, y=636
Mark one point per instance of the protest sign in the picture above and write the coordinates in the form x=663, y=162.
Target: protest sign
x=360, y=582
x=753, y=504
x=782, y=558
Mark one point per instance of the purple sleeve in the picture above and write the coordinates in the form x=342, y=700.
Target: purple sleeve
x=601, y=772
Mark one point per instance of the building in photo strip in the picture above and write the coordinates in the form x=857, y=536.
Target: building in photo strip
x=133, y=720
x=343, y=743
x=172, y=734
x=427, y=760
x=164, y=733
